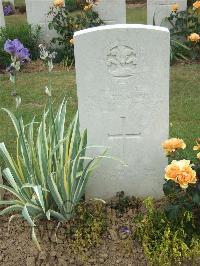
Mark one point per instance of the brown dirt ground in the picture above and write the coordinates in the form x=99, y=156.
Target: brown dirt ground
x=115, y=248
x=58, y=248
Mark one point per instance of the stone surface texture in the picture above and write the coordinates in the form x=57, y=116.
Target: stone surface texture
x=122, y=74
x=112, y=11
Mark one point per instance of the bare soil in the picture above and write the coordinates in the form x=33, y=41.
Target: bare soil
x=115, y=247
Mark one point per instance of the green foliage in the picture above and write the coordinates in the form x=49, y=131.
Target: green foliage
x=89, y=225
x=66, y=23
x=71, y=5
x=6, y=3
x=50, y=172
x=182, y=24
x=167, y=242
x=122, y=202
x=190, y=2
x=26, y=34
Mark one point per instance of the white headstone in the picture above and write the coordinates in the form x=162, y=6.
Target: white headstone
x=158, y=10
x=2, y=20
x=37, y=11
x=112, y=11
x=123, y=98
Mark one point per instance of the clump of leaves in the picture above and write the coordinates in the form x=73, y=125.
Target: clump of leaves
x=88, y=225
x=121, y=202
x=164, y=241
x=182, y=24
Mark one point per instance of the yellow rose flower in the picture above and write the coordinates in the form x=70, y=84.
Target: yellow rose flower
x=197, y=147
x=90, y=4
x=175, y=7
x=194, y=37
x=196, y=5
x=181, y=172
x=173, y=144
x=72, y=41
x=85, y=8
x=58, y=3
x=88, y=7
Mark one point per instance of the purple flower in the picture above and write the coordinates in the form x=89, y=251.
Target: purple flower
x=16, y=49
x=125, y=230
x=8, y=10
x=23, y=54
x=12, y=47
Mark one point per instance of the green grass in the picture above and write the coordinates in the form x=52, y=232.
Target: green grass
x=136, y=15
x=16, y=18
x=19, y=2
x=19, y=18
x=184, y=104
x=31, y=88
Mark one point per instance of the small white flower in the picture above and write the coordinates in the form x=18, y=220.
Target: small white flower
x=50, y=65
x=47, y=91
x=18, y=101
x=16, y=65
x=12, y=78
x=43, y=52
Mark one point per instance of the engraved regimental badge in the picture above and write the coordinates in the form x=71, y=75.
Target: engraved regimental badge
x=121, y=61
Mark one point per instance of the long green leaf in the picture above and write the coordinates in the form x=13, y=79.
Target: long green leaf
x=27, y=216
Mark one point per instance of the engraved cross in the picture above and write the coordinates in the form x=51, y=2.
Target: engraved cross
x=124, y=136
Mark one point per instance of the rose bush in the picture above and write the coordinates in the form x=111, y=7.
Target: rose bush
x=65, y=23
x=185, y=29
x=182, y=178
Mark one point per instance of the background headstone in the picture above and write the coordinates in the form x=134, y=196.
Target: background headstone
x=123, y=98
x=160, y=9
x=112, y=11
x=2, y=20
x=37, y=11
